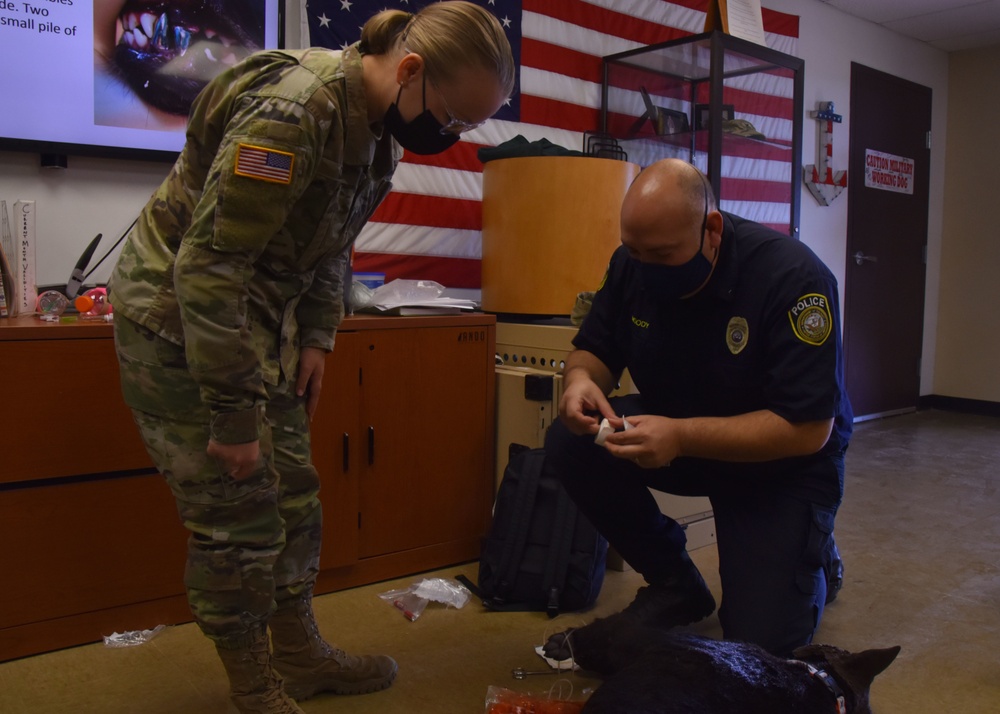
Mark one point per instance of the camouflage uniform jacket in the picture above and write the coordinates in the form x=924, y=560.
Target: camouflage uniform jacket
x=239, y=256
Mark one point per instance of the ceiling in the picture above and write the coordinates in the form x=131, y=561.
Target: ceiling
x=949, y=25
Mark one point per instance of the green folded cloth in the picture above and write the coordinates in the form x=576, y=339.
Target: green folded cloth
x=519, y=146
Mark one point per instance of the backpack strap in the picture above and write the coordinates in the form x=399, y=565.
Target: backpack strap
x=560, y=546
x=528, y=466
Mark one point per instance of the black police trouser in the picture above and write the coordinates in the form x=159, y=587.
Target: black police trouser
x=774, y=531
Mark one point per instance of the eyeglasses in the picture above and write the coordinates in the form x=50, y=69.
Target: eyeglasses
x=455, y=125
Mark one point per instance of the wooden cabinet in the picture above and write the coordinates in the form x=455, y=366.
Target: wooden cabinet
x=92, y=542
x=403, y=440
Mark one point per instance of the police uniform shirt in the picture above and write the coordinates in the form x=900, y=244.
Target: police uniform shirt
x=763, y=333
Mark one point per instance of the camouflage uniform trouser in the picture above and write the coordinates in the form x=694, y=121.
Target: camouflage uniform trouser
x=254, y=542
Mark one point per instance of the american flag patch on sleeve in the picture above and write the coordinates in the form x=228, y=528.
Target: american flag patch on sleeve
x=265, y=164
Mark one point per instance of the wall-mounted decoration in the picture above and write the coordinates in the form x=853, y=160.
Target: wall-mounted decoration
x=823, y=182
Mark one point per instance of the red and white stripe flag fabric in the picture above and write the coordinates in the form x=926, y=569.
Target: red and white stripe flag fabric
x=264, y=164
x=429, y=227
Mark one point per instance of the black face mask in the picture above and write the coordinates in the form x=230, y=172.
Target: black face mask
x=423, y=134
x=674, y=282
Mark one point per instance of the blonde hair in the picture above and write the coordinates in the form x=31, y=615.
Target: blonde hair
x=448, y=35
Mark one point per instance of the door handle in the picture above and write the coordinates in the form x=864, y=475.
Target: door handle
x=371, y=445
x=860, y=258
x=347, y=452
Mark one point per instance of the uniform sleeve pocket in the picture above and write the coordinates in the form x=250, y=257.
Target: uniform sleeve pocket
x=257, y=186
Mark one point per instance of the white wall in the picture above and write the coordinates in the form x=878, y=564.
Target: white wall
x=73, y=205
x=829, y=41
x=968, y=337
x=99, y=195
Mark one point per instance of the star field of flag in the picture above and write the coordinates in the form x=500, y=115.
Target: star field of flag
x=338, y=23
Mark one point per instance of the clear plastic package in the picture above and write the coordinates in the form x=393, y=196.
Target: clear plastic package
x=450, y=592
x=411, y=605
x=132, y=638
x=412, y=601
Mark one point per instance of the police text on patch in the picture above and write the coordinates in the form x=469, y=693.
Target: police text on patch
x=810, y=318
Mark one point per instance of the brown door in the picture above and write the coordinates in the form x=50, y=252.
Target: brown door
x=428, y=461
x=337, y=450
x=887, y=192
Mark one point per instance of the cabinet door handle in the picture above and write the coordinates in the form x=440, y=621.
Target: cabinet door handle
x=347, y=452
x=371, y=445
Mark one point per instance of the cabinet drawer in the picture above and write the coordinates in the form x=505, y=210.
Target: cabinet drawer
x=70, y=417
x=88, y=546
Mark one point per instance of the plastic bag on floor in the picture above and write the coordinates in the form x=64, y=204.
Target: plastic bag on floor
x=412, y=601
x=131, y=638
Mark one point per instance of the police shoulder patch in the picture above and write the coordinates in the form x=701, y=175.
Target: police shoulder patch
x=257, y=162
x=810, y=318
x=737, y=333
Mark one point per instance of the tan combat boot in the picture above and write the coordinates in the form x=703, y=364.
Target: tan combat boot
x=254, y=686
x=310, y=665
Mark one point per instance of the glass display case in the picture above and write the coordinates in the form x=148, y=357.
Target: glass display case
x=731, y=107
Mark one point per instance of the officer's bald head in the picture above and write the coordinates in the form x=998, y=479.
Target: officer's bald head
x=664, y=208
x=670, y=190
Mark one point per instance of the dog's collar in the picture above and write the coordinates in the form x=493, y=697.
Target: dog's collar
x=830, y=682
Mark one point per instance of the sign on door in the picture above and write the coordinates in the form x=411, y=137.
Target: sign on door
x=887, y=172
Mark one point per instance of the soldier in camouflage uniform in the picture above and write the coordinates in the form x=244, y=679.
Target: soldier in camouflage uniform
x=227, y=298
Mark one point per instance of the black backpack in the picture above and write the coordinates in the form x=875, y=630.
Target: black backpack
x=541, y=552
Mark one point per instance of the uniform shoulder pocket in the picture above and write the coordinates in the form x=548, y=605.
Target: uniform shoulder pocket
x=260, y=172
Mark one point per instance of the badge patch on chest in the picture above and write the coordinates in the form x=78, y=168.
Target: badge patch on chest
x=256, y=162
x=737, y=332
x=811, y=319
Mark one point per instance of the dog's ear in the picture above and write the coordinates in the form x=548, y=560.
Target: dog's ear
x=859, y=670
x=870, y=663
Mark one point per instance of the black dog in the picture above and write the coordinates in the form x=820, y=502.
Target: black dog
x=653, y=671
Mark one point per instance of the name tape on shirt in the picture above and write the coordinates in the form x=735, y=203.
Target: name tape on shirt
x=256, y=162
x=811, y=319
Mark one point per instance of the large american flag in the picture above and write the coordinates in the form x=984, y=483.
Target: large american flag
x=429, y=227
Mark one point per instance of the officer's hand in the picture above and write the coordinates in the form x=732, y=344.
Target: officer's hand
x=312, y=362
x=582, y=405
x=237, y=460
x=652, y=442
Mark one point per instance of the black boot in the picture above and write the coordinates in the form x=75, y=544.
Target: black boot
x=834, y=568
x=680, y=599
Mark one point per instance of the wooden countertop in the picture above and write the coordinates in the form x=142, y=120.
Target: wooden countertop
x=29, y=327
